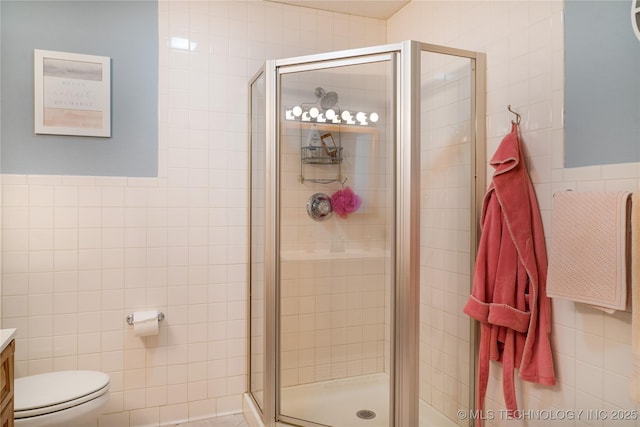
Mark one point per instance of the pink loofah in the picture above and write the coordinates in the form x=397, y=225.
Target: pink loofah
x=345, y=201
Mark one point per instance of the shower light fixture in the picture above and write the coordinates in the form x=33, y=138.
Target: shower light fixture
x=348, y=118
x=326, y=109
x=314, y=114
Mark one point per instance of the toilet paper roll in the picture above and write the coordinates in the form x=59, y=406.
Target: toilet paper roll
x=145, y=323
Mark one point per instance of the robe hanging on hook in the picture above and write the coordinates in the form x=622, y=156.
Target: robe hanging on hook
x=517, y=121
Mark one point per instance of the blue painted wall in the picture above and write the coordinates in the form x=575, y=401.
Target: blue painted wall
x=602, y=83
x=125, y=31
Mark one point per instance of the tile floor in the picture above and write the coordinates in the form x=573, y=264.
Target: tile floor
x=236, y=420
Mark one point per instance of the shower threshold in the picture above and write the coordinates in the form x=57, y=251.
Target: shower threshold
x=337, y=403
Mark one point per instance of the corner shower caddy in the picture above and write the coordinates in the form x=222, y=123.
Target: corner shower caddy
x=328, y=121
x=326, y=154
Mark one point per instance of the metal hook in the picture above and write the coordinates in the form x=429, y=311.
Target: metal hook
x=517, y=115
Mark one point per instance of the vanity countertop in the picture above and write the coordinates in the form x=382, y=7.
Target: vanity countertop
x=6, y=335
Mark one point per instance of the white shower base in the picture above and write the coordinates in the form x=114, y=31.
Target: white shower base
x=335, y=403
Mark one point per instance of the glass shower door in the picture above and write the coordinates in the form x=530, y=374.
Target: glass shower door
x=367, y=168
x=257, y=230
x=336, y=233
x=447, y=238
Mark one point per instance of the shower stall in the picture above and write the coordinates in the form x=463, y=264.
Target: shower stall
x=366, y=170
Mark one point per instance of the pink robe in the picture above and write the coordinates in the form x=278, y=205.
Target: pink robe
x=509, y=282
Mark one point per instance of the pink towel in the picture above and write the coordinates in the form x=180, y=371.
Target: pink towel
x=588, y=262
x=634, y=386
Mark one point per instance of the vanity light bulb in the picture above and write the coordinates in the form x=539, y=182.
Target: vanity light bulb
x=374, y=117
x=297, y=111
x=362, y=118
x=313, y=112
x=346, y=115
x=330, y=114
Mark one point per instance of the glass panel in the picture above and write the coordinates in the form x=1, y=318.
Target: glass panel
x=257, y=285
x=445, y=216
x=336, y=135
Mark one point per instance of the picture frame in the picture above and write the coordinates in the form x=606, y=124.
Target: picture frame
x=72, y=94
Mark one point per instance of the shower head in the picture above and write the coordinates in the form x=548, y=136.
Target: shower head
x=329, y=100
x=326, y=99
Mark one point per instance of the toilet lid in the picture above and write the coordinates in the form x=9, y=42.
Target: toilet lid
x=55, y=391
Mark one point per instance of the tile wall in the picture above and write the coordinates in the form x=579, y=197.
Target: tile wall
x=333, y=322
x=524, y=45
x=80, y=253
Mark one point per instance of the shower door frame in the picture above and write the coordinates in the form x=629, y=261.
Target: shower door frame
x=404, y=351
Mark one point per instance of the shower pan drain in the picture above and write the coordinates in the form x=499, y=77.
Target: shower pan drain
x=366, y=414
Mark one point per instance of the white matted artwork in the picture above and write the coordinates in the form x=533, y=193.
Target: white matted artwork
x=72, y=94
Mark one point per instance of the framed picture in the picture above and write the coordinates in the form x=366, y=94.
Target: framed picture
x=72, y=94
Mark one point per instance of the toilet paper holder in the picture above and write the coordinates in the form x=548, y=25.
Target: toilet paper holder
x=130, y=318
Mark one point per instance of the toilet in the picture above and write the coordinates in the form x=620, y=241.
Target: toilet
x=65, y=398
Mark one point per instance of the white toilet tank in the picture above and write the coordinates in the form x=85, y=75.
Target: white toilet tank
x=64, y=398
